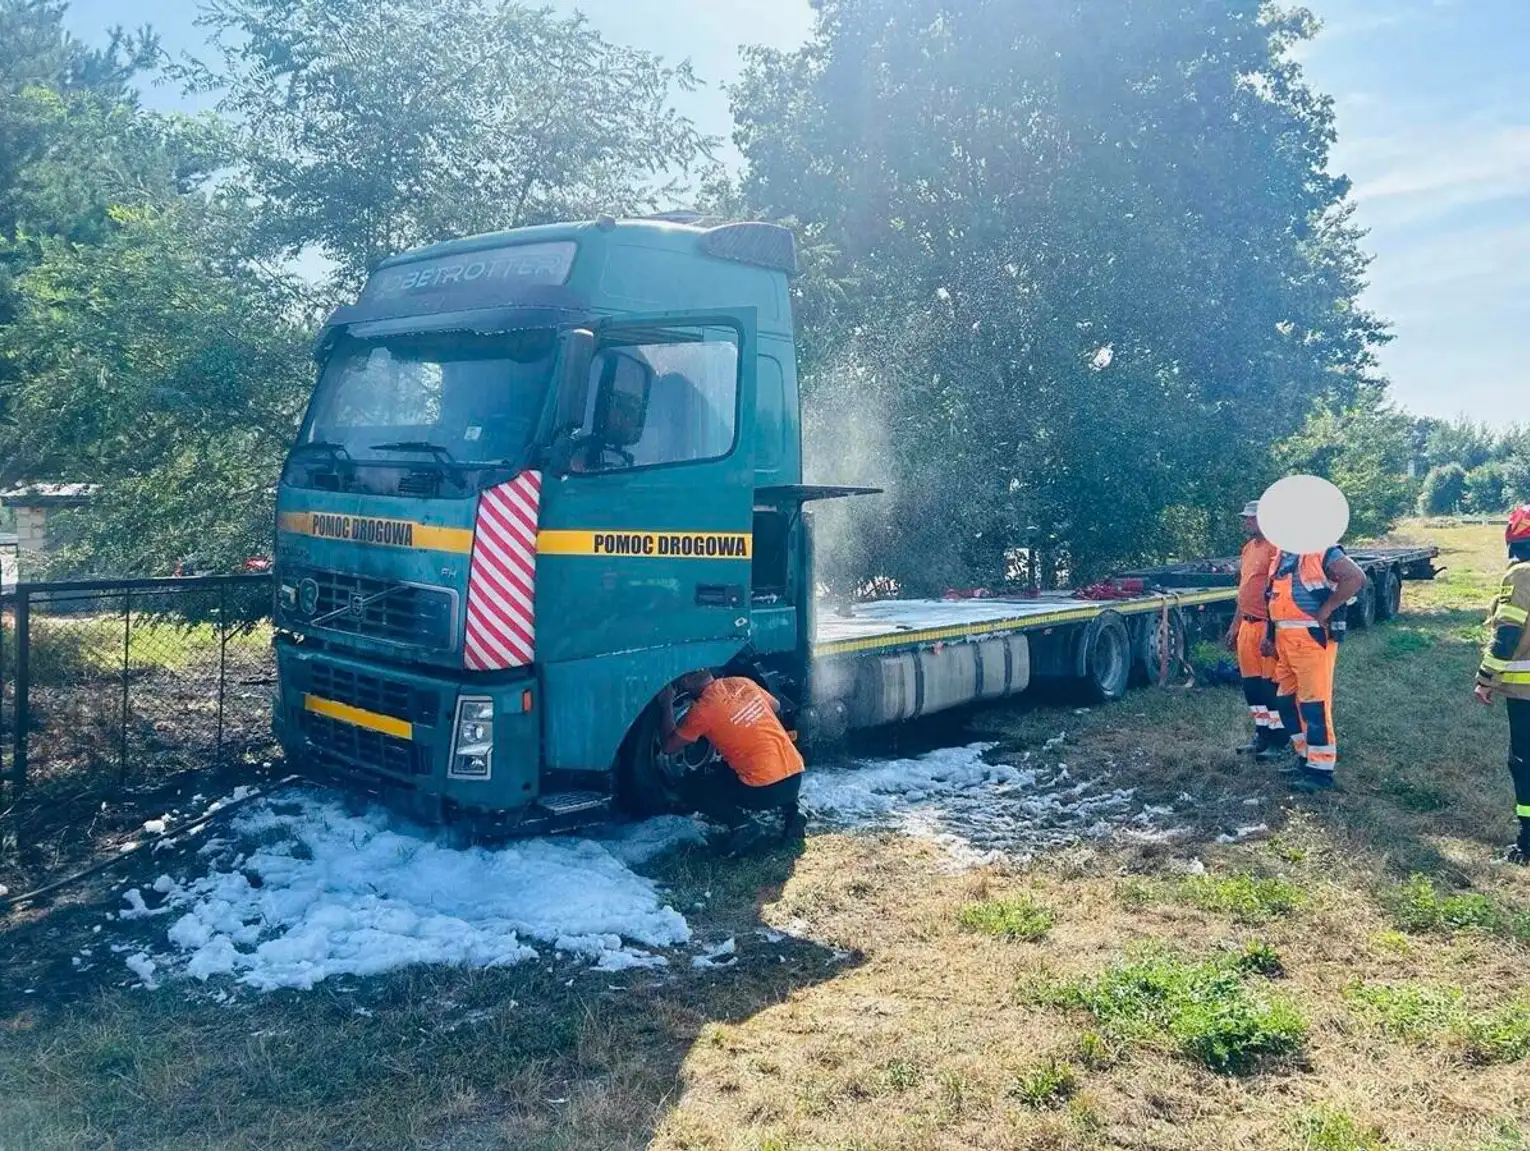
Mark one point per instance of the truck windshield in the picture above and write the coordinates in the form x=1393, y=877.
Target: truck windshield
x=458, y=397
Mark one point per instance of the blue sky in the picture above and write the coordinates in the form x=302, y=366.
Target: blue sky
x=1433, y=99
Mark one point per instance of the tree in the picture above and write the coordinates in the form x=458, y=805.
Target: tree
x=1458, y=441
x=1364, y=449
x=1099, y=267
x=369, y=126
x=1443, y=491
x=168, y=367
x=1486, y=491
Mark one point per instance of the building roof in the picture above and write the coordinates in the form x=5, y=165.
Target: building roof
x=49, y=495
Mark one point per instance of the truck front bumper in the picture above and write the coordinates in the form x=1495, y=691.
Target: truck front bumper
x=390, y=731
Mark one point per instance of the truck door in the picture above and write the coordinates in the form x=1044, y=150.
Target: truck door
x=646, y=538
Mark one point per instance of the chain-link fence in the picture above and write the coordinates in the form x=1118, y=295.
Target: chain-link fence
x=125, y=679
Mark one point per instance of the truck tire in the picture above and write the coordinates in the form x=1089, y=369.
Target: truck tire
x=1145, y=647
x=1104, y=665
x=649, y=782
x=1362, y=613
x=1388, y=594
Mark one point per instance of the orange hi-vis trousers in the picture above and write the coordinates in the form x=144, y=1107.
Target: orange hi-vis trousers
x=1258, y=673
x=1304, y=670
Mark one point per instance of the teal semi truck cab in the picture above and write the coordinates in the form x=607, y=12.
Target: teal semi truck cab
x=543, y=473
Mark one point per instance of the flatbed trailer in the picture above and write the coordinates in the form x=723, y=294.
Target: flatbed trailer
x=888, y=661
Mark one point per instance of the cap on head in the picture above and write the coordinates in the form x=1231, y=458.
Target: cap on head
x=1250, y=510
x=1518, y=531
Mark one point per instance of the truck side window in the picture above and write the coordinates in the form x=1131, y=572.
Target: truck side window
x=667, y=401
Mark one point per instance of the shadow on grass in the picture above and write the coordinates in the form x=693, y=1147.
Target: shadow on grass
x=546, y=1054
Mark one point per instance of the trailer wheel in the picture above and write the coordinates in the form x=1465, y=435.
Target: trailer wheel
x=1389, y=594
x=1362, y=613
x=1147, y=650
x=1105, y=657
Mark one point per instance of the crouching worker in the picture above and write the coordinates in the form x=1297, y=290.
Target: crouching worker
x=741, y=720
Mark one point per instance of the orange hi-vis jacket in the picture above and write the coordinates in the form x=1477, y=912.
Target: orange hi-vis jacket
x=737, y=716
x=1299, y=586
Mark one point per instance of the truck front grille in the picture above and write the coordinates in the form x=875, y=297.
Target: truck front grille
x=361, y=605
x=350, y=747
x=373, y=693
x=344, y=745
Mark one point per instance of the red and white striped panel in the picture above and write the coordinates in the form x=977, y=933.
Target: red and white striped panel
x=501, y=615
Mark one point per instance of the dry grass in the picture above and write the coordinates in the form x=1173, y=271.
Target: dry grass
x=882, y=1021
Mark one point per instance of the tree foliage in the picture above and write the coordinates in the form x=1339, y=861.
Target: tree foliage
x=1443, y=491
x=369, y=126
x=168, y=372
x=1364, y=449
x=1099, y=267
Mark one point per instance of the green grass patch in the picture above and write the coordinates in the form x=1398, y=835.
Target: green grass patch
x=1247, y=898
x=1417, y=1012
x=1050, y=1083
x=1330, y=1129
x=1019, y=919
x=1501, y=1035
x=1414, y=796
x=1094, y=1051
x=1425, y=1013
x=1213, y=1011
x=1419, y=908
x=1406, y=641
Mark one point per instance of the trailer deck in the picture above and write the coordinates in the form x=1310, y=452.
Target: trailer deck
x=893, y=625
x=901, y=625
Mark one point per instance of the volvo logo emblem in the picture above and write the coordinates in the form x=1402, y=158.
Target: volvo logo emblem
x=308, y=596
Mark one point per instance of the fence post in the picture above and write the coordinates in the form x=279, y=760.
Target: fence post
x=23, y=682
x=127, y=640
x=222, y=660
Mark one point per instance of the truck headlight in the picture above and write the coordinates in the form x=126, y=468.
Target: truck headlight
x=473, y=738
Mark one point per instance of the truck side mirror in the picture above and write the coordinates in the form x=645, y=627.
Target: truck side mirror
x=573, y=379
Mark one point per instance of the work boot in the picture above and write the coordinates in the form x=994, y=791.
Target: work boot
x=1252, y=747
x=1272, y=752
x=793, y=825
x=1310, y=781
x=1517, y=854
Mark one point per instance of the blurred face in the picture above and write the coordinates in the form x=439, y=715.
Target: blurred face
x=1251, y=527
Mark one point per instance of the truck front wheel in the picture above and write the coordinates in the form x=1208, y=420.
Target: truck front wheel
x=651, y=782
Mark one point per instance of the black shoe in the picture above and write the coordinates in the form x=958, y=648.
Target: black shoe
x=1310, y=781
x=1517, y=854
x=1252, y=747
x=793, y=826
x=1294, y=764
x=1273, y=752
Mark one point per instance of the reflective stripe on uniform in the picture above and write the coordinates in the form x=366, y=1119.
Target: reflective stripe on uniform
x=1514, y=677
x=1512, y=614
x=1323, y=757
x=1493, y=663
x=1522, y=810
x=1304, y=624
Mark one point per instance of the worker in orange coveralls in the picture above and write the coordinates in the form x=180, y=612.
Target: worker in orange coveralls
x=1246, y=638
x=1308, y=594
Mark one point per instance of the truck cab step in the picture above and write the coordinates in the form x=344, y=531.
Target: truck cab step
x=574, y=802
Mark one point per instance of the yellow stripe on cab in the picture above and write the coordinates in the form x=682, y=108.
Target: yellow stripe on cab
x=376, y=531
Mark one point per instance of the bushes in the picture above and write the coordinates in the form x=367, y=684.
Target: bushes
x=1444, y=491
